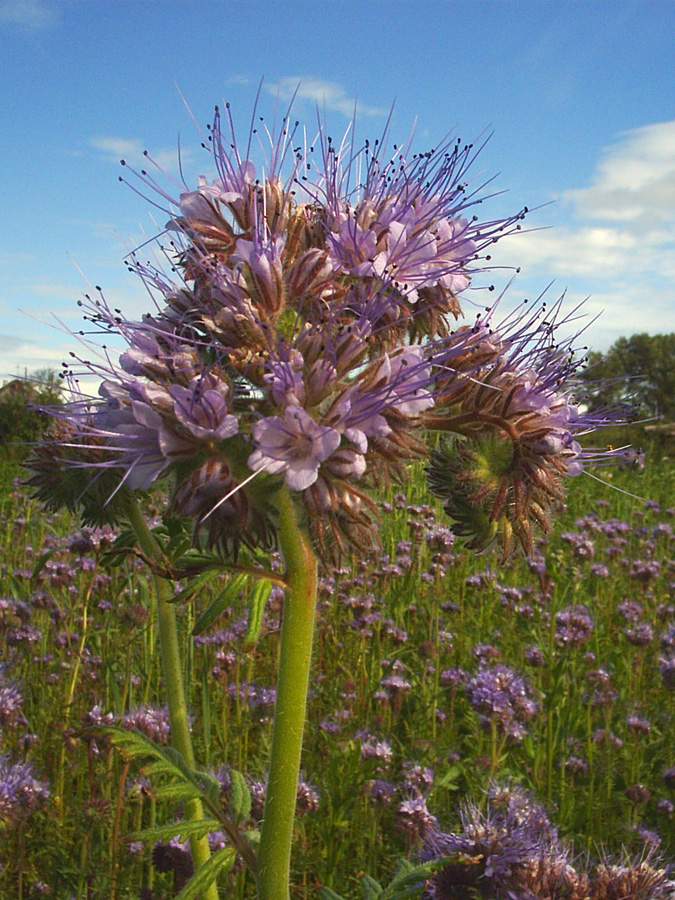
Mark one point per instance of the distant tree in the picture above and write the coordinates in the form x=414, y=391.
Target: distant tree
x=639, y=370
x=20, y=422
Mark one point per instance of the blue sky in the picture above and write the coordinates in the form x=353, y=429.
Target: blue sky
x=579, y=96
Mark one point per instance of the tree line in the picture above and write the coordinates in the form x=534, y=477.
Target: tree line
x=638, y=371
x=21, y=421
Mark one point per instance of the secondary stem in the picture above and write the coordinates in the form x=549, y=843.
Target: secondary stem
x=173, y=682
x=297, y=632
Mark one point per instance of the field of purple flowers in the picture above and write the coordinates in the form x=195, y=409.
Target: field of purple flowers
x=441, y=683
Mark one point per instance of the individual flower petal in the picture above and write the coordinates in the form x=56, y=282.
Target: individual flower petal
x=294, y=445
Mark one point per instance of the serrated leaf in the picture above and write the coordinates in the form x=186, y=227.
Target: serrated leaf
x=197, y=559
x=240, y=796
x=326, y=893
x=448, y=779
x=177, y=791
x=220, y=604
x=182, y=830
x=256, y=607
x=160, y=760
x=221, y=861
x=210, y=787
x=414, y=890
x=131, y=743
x=409, y=880
x=371, y=889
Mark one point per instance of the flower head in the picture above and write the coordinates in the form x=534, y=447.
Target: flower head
x=20, y=791
x=306, y=337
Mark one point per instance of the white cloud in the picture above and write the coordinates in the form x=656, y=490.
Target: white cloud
x=18, y=355
x=132, y=150
x=330, y=94
x=617, y=236
x=28, y=14
x=635, y=180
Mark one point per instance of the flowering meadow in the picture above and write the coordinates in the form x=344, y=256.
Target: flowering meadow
x=442, y=681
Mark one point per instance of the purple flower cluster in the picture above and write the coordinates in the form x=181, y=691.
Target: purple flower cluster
x=573, y=626
x=510, y=851
x=150, y=721
x=502, y=697
x=309, y=339
x=20, y=791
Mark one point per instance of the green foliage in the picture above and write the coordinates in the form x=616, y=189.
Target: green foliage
x=20, y=423
x=90, y=639
x=220, y=863
x=639, y=370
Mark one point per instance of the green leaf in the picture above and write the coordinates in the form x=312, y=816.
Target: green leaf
x=410, y=879
x=210, y=787
x=177, y=791
x=195, y=559
x=183, y=830
x=371, y=888
x=221, y=861
x=256, y=607
x=240, y=796
x=122, y=545
x=199, y=581
x=220, y=604
x=449, y=779
x=143, y=591
x=326, y=893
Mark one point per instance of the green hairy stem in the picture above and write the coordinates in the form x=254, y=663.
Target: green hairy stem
x=297, y=632
x=181, y=738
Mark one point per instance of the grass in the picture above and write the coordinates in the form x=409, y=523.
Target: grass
x=390, y=714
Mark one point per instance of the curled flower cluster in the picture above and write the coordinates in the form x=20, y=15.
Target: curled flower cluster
x=309, y=340
x=510, y=850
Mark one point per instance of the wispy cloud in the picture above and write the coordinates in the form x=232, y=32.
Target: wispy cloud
x=617, y=236
x=330, y=94
x=622, y=225
x=114, y=148
x=635, y=181
x=34, y=15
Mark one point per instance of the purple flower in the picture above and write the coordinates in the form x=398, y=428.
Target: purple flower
x=414, y=820
x=500, y=847
x=667, y=671
x=574, y=765
x=372, y=748
x=307, y=799
x=573, y=626
x=381, y=792
x=395, y=686
x=294, y=445
x=20, y=791
x=501, y=696
x=152, y=722
x=203, y=411
x=638, y=724
x=641, y=635
x=11, y=701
